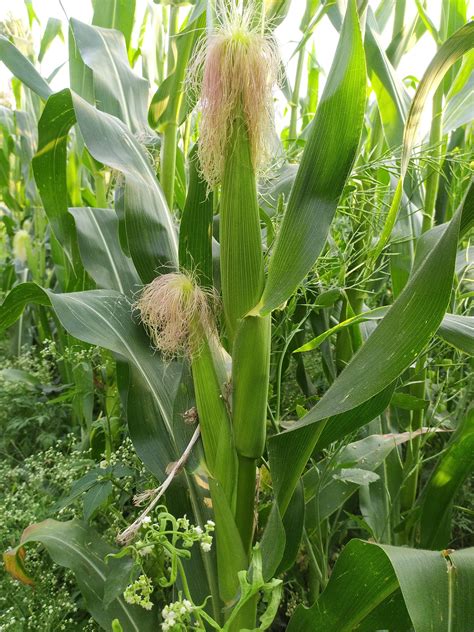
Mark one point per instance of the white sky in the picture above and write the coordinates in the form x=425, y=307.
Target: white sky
x=288, y=35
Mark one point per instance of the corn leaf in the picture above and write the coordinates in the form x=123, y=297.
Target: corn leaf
x=455, y=465
x=387, y=587
x=453, y=49
x=392, y=98
x=325, y=165
x=49, y=166
x=23, y=69
x=195, y=230
x=169, y=104
x=104, y=318
x=103, y=259
x=115, y=14
x=53, y=29
x=151, y=235
x=406, y=329
x=118, y=90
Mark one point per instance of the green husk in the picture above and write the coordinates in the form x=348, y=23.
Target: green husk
x=251, y=366
x=240, y=239
x=214, y=422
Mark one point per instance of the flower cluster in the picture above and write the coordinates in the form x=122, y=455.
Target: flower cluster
x=139, y=592
x=177, y=616
x=186, y=532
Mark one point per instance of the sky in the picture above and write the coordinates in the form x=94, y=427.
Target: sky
x=288, y=35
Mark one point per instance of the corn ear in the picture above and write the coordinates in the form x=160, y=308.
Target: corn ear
x=240, y=239
x=251, y=366
x=214, y=421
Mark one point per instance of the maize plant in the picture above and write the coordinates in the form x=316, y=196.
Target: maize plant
x=280, y=298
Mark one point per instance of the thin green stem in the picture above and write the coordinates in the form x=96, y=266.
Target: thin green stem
x=170, y=133
x=433, y=171
x=244, y=512
x=293, y=131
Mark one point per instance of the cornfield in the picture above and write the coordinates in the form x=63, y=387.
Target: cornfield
x=252, y=290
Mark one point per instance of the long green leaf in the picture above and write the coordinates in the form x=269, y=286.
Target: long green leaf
x=406, y=329
x=392, y=97
x=326, y=163
x=53, y=29
x=457, y=330
x=195, y=230
x=99, y=246
x=104, y=318
x=387, y=587
x=118, y=90
x=23, y=69
x=115, y=14
x=151, y=235
x=453, y=48
x=455, y=465
x=49, y=166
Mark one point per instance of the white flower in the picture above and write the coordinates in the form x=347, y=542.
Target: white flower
x=210, y=523
x=206, y=546
x=146, y=550
x=198, y=530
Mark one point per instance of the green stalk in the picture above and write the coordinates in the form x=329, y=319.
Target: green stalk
x=295, y=96
x=250, y=375
x=432, y=178
x=244, y=511
x=168, y=161
x=100, y=190
x=214, y=422
x=170, y=133
x=412, y=463
x=242, y=279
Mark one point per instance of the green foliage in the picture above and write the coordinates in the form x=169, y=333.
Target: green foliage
x=28, y=493
x=328, y=396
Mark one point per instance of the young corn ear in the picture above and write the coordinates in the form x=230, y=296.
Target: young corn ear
x=238, y=68
x=234, y=74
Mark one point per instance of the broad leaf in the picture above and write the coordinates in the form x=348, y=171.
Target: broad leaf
x=118, y=90
x=150, y=231
x=454, y=466
x=101, y=254
x=23, y=69
x=387, y=588
x=325, y=165
x=408, y=326
x=115, y=14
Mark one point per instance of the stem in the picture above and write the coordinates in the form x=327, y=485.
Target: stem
x=170, y=134
x=100, y=190
x=412, y=464
x=244, y=513
x=186, y=590
x=206, y=559
x=399, y=17
x=293, y=131
x=168, y=162
x=314, y=572
x=432, y=178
